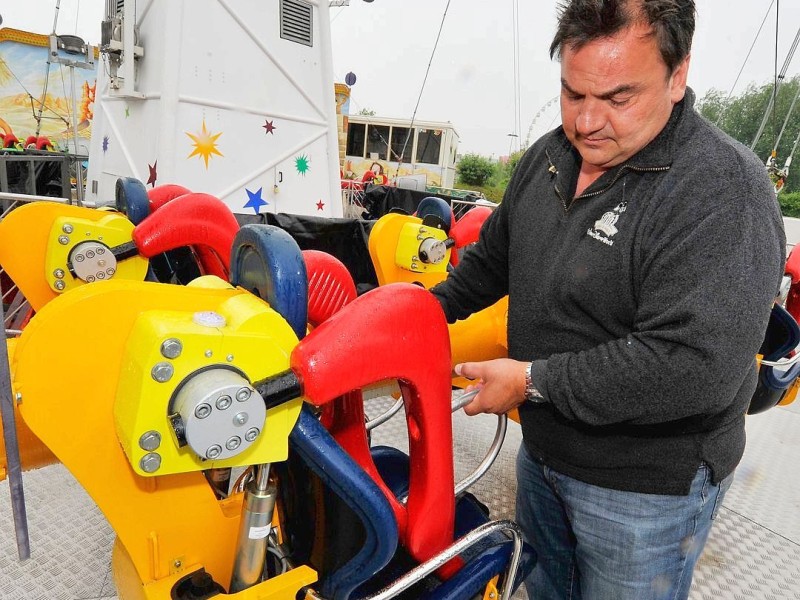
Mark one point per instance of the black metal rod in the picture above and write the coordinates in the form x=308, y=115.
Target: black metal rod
x=13, y=462
x=279, y=388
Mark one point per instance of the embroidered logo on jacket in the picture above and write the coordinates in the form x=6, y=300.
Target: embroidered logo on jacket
x=606, y=226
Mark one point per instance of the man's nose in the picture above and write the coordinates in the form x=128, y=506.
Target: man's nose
x=591, y=117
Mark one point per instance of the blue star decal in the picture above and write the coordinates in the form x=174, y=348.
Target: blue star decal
x=255, y=200
x=105, y=144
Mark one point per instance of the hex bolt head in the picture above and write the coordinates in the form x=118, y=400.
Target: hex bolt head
x=213, y=452
x=244, y=394
x=252, y=434
x=224, y=402
x=202, y=411
x=150, y=440
x=162, y=372
x=233, y=443
x=59, y=273
x=67, y=228
x=150, y=463
x=170, y=348
x=60, y=285
x=63, y=240
x=241, y=419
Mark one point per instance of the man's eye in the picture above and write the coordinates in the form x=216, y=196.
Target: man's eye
x=617, y=103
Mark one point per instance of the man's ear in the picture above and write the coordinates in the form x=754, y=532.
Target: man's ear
x=677, y=80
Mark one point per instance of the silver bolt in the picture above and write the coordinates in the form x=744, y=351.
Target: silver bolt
x=243, y=394
x=60, y=285
x=209, y=354
x=90, y=279
x=89, y=254
x=224, y=402
x=101, y=275
x=251, y=434
x=150, y=440
x=59, y=273
x=67, y=228
x=150, y=462
x=233, y=443
x=171, y=348
x=80, y=258
x=229, y=358
x=111, y=272
x=177, y=564
x=101, y=263
x=18, y=397
x=241, y=419
x=213, y=452
x=63, y=240
x=202, y=411
x=101, y=250
x=162, y=372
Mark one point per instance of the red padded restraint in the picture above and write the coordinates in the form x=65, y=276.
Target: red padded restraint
x=466, y=230
x=793, y=271
x=161, y=194
x=398, y=332
x=199, y=220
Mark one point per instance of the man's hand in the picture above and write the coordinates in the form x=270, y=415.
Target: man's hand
x=501, y=383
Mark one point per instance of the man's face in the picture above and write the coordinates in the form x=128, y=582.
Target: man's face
x=617, y=95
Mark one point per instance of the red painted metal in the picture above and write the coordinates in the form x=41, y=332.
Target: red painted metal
x=161, y=194
x=198, y=220
x=397, y=332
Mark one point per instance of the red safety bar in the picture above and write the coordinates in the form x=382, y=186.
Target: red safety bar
x=397, y=332
x=161, y=194
x=198, y=220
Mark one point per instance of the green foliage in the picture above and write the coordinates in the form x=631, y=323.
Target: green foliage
x=790, y=203
x=474, y=169
x=494, y=185
x=740, y=117
x=366, y=112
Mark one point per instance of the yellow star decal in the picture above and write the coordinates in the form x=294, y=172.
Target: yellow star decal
x=205, y=144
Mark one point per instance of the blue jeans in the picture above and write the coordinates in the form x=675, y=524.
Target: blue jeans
x=595, y=543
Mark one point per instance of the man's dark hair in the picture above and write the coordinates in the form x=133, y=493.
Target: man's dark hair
x=583, y=21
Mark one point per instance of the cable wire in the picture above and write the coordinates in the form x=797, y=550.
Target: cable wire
x=744, y=64
x=424, y=81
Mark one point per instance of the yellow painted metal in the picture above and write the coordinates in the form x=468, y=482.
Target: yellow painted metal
x=129, y=587
x=254, y=340
x=31, y=248
x=482, y=336
x=384, y=240
x=67, y=366
x=32, y=452
x=406, y=255
x=490, y=592
x=791, y=393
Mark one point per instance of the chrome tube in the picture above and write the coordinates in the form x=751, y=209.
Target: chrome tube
x=254, y=529
x=380, y=420
x=416, y=574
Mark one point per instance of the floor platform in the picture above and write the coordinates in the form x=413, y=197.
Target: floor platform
x=753, y=551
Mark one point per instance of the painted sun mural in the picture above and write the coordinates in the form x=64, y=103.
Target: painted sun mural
x=205, y=144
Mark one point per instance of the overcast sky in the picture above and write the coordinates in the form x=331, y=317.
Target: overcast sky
x=388, y=44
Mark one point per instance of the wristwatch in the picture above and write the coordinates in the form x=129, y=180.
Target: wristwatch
x=532, y=394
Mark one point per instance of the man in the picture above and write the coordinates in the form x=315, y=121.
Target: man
x=641, y=250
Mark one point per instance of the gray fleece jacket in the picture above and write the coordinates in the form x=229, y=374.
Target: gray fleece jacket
x=641, y=303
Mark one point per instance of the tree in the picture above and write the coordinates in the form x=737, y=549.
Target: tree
x=474, y=169
x=740, y=117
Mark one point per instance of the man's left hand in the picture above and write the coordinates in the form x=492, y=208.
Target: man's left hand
x=501, y=383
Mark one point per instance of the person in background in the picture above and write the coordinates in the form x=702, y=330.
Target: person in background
x=378, y=175
x=641, y=249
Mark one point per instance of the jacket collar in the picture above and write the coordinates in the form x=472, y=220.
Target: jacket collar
x=657, y=154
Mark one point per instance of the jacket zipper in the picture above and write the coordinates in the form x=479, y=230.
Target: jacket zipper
x=609, y=186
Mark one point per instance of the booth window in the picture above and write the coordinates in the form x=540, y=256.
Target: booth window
x=378, y=142
x=356, y=135
x=429, y=144
x=402, y=144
